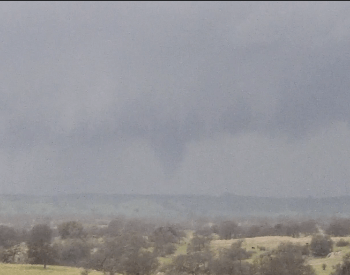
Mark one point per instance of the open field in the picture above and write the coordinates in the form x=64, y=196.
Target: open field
x=23, y=269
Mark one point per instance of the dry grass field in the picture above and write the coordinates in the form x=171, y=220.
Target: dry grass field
x=271, y=242
x=274, y=241
x=22, y=269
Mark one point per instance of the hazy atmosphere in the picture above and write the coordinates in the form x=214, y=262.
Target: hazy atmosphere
x=250, y=98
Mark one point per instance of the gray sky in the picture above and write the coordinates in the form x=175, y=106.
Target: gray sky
x=250, y=98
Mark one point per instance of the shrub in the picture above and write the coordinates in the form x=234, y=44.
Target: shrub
x=321, y=245
x=342, y=243
x=169, y=249
x=305, y=250
x=344, y=267
x=164, y=250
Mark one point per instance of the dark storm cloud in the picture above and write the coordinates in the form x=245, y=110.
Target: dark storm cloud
x=168, y=76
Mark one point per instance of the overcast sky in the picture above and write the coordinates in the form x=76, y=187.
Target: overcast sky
x=250, y=98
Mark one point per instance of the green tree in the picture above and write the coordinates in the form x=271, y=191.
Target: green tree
x=8, y=236
x=227, y=230
x=196, y=263
x=73, y=252
x=40, y=250
x=126, y=254
x=321, y=245
x=231, y=261
x=287, y=259
x=198, y=243
x=116, y=226
x=71, y=229
x=339, y=227
x=138, y=262
x=163, y=239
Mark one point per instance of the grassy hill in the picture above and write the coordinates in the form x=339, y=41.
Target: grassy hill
x=271, y=242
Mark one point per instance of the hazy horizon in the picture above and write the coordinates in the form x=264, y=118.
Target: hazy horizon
x=82, y=194
x=249, y=98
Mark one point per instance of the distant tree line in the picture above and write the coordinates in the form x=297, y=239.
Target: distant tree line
x=231, y=229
